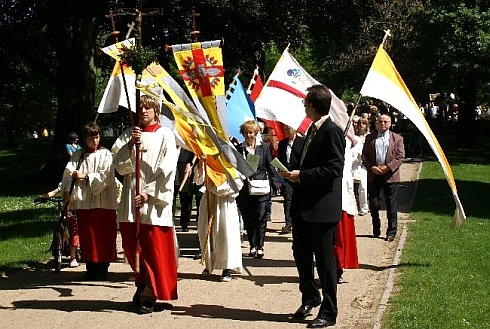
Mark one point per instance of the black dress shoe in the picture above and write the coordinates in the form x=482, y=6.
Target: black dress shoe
x=321, y=323
x=146, y=308
x=303, y=311
x=136, y=296
x=389, y=238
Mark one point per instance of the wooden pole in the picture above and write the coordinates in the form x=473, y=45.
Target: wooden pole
x=349, y=122
x=137, y=214
x=187, y=174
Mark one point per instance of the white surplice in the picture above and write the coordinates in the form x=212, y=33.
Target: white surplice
x=223, y=250
x=158, y=165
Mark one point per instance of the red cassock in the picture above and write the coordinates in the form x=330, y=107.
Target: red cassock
x=345, y=247
x=157, y=257
x=97, y=229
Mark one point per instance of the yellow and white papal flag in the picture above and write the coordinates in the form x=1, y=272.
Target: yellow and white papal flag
x=385, y=83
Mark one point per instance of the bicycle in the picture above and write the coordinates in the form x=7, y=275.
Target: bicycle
x=60, y=245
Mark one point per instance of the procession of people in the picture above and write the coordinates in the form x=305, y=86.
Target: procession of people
x=317, y=183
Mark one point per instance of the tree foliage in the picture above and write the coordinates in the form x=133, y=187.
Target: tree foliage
x=57, y=75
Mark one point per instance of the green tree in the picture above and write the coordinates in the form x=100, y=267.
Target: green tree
x=452, y=45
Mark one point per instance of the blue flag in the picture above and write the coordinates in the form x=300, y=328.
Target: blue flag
x=239, y=108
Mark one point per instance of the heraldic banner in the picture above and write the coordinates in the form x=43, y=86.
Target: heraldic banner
x=201, y=67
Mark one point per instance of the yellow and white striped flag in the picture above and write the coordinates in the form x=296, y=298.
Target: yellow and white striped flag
x=385, y=83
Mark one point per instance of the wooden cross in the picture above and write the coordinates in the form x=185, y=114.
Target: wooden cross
x=113, y=25
x=194, y=32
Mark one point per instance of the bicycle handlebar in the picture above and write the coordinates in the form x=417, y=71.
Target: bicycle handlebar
x=41, y=200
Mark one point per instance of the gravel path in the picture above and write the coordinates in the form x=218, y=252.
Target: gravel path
x=264, y=296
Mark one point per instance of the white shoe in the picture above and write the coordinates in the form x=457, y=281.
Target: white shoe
x=73, y=263
x=260, y=253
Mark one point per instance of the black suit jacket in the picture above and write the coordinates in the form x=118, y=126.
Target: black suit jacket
x=318, y=196
x=296, y=150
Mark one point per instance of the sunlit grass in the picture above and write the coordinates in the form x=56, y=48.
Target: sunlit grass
x=444, y=273
x=25, y=229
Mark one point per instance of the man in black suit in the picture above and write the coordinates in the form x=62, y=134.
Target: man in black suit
x=316, y=208
x=289, y=153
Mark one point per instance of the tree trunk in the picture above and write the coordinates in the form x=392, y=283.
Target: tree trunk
x=467, y=135
x=72, y=28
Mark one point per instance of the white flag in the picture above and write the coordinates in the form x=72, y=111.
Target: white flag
x=282, y=97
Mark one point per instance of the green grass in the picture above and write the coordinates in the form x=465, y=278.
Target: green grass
x=444, y=277
x=25, y=229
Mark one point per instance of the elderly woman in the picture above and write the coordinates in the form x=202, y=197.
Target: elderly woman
x=94, y=198
x=254, y=196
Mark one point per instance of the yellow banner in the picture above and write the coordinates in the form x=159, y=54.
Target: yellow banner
x=201, y=68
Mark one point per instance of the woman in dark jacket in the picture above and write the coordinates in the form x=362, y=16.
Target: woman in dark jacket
x=253, y=206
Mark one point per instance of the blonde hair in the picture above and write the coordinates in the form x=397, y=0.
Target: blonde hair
x=150, y=102
x=249, y=125
x=364, y=121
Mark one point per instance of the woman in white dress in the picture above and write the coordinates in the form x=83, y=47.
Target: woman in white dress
x=358, y=170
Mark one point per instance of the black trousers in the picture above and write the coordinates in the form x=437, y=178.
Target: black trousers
x=390, y=192
x=254, y=217
x=185, y=198
x=315, y=241
x=287, y=194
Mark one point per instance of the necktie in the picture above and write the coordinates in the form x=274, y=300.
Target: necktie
x=312, y=133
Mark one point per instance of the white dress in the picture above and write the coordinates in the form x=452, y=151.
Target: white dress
x=222, y=249
x=349, y=204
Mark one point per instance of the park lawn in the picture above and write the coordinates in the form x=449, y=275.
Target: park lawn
x=444, y=279
x=25, y=229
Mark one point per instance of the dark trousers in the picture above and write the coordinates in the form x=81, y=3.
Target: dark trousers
x=390, y=193
x=316, y=240
x=287, y=194
x=185, y=208
x=268, y=207
x=254, y=217
x=185, y=198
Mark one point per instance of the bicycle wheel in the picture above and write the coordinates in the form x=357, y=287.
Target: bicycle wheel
x=57, y=250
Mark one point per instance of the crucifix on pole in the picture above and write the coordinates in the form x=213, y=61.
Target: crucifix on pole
x=209, y=234
x=194, y=32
